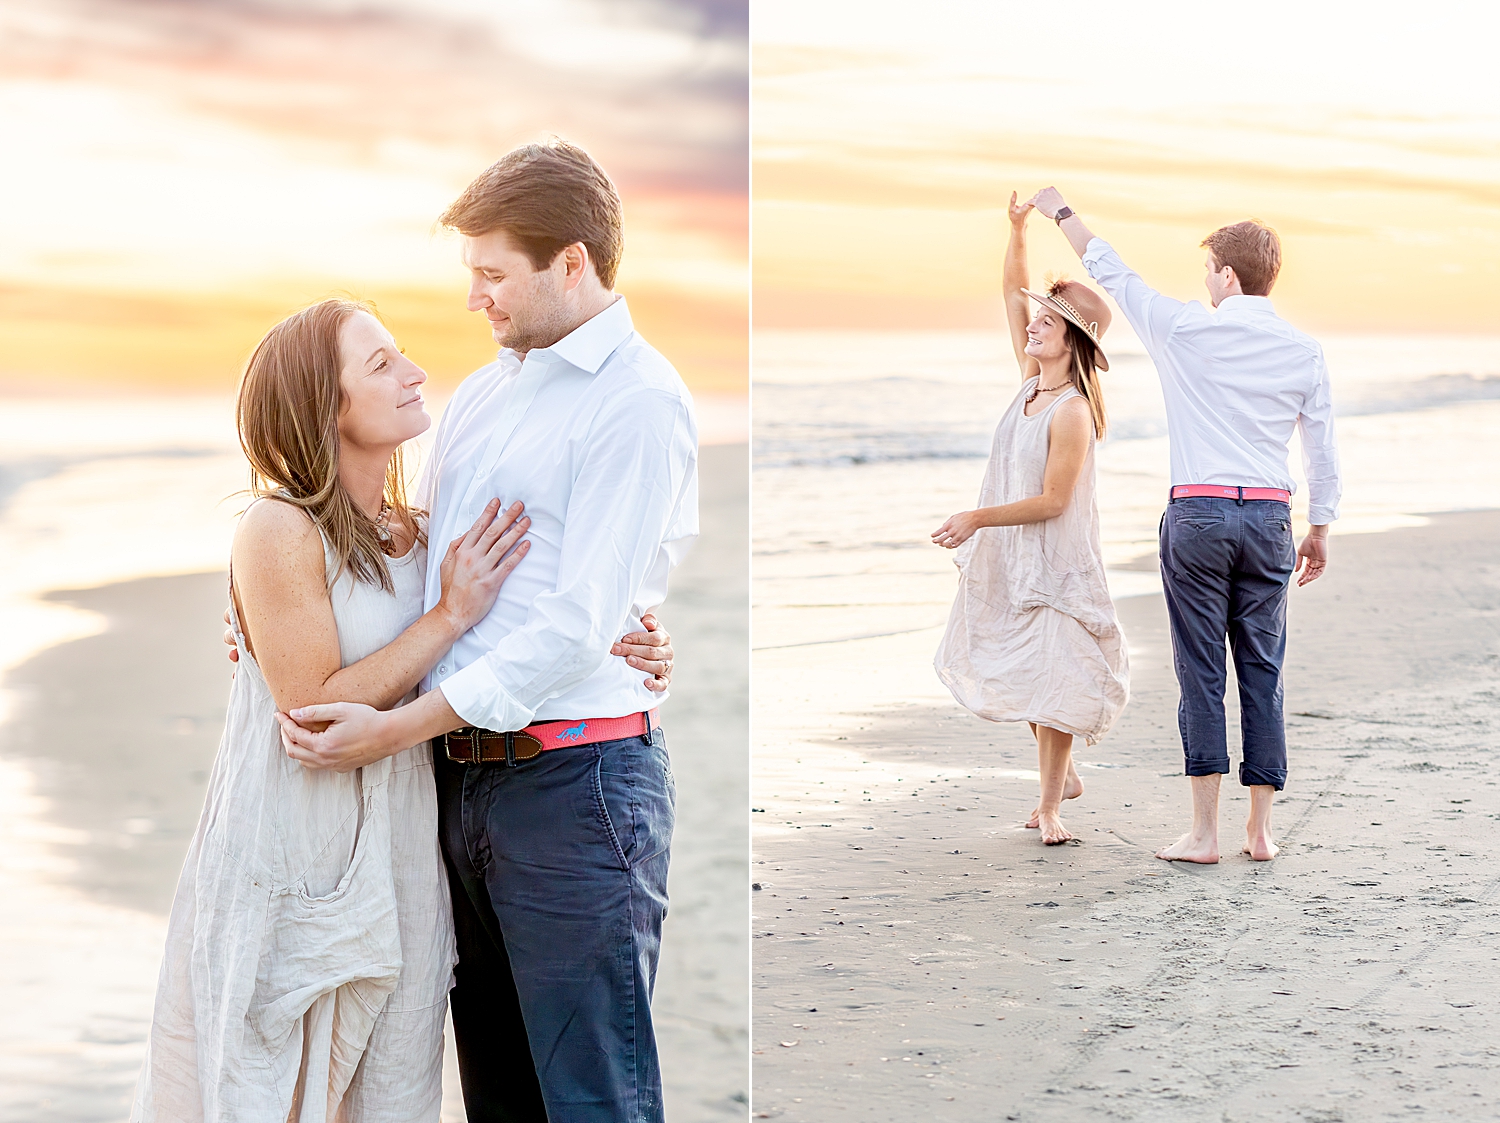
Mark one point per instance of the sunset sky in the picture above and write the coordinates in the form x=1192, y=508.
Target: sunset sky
x=179, y=174
x=888, y=136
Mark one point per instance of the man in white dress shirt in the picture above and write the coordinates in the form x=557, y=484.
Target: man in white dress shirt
x=554, y=791
x=1237, y=380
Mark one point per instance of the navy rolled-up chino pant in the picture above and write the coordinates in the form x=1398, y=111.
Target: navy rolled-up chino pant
x=1225, y=567
x=558, y=871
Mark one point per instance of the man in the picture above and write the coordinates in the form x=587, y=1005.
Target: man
x=555, y=795
x=1236, y=380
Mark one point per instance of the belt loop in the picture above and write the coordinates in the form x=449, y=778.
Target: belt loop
x=510, y=748
x=1241, y=500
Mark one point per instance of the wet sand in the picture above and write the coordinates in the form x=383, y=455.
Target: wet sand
x=105, y=758
x=918, y=954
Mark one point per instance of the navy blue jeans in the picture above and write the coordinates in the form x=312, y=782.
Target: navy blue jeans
x=1225, y=567
x=558, y=869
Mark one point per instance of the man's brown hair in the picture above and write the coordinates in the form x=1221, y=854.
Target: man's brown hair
x=546, y=197
x=1252, y=249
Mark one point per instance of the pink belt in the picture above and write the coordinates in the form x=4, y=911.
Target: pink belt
x=1239, y=494
x=470, y=745
x=556, y=734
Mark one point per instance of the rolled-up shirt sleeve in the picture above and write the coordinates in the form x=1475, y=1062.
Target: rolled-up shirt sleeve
x=639, y=464
x=1320, y=453
x=1149, y=313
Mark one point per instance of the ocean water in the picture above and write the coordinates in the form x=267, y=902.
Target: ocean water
x=864, y=443
x=106, y=489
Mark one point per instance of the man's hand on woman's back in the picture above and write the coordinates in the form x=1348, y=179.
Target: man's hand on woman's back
x=649, y=651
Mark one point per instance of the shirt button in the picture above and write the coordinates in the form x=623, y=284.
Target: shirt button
x=442, y=670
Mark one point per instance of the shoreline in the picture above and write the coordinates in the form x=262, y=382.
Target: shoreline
x=958, y=966
x=104, y=759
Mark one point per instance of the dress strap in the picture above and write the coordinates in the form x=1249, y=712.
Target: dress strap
x=328, y=563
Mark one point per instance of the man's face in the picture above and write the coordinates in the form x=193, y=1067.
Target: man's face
x=525, y=306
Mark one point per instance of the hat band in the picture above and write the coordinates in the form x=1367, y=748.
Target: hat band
x=1093, y=326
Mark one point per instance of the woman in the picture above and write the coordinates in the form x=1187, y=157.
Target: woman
x=310, y=948
x=1033, y=636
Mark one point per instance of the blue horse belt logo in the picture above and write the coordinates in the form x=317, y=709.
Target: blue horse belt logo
x=574, y=734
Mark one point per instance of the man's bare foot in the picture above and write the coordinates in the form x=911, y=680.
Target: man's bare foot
x=1260, y=848
x=1053, y=831
x=1072, y=789
x=1191, y=848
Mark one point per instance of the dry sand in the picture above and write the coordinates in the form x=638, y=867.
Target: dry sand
x=919, y=955
x=119, y=731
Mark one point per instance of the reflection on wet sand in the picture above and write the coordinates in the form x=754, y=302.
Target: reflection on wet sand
x=102, y=768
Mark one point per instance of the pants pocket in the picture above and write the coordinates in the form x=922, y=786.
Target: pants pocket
x=1195, y=515
x=635, y=794
x=607, y=820
x=1199, y=522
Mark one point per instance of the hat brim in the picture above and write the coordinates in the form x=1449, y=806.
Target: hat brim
x=1101, y=360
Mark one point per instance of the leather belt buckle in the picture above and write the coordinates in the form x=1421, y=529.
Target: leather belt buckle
x=471, y=745
x=467, y=733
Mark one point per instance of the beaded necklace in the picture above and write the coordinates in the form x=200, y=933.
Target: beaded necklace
x=383, y=529
x=1037, y=389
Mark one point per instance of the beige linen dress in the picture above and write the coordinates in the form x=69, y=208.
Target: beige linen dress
x=310, y=948
x=1032, y=635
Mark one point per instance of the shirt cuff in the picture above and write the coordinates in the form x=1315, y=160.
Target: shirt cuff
x=479, y=698
x=1321, y=516
x=1094, y=251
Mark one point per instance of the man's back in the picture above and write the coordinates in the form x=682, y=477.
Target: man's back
x=1236, y=381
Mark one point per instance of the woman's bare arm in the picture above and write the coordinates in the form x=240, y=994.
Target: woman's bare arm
x=282, y=597
x=1017, y=276
x=1069, y=434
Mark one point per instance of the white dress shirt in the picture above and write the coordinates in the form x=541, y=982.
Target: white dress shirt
x=596, y=435
x=1236, y=380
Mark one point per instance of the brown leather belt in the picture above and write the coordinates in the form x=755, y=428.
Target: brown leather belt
x=472, y=745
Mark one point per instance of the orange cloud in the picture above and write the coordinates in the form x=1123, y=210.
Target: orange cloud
x=886, y=148
x=207, y=168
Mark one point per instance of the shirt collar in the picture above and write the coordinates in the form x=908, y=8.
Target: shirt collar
x=1244, y=304
x=591, y=342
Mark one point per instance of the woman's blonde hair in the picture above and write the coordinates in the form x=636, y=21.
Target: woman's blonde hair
x=1082, y=371
x=287, y=413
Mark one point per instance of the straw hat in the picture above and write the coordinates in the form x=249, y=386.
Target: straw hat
x=1082, y=307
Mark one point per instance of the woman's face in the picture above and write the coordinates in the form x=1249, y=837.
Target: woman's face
x=1047, y=336
x=382, y=388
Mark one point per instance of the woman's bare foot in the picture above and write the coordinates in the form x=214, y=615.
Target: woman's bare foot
x=1071, y=790
x=1191, y=848
x=1053, y=831
x=1260, y=847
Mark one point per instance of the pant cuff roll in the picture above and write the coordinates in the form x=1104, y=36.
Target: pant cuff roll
x=1256, y=777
